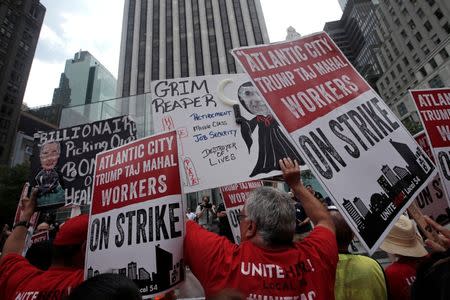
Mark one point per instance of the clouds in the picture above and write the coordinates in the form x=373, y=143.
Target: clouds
x=306, y=16
x=95, y=26
x=69, y=26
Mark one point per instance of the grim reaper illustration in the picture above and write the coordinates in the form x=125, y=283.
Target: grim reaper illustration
x=273, y=144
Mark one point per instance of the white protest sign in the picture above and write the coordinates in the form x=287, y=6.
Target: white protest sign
x=213, y=145
x=432, y=199
x=234, y=196
x=355, y=146
x=136, y=223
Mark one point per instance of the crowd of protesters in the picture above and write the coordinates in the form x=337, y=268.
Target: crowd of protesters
x=293, y=246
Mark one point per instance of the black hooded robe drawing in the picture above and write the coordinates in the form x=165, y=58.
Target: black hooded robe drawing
x=273, y=144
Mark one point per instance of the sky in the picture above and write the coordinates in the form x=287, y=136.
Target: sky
x=96, y=26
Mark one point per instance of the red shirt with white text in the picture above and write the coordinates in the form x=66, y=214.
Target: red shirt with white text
x=304, y=271
x=19, y=280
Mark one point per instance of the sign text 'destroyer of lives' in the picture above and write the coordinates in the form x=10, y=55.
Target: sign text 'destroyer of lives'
x=434, y=108
x=136, y=222
x=365, y=159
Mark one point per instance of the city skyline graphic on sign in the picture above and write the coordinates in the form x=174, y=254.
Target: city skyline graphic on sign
x=397, y=185
x=166, y=276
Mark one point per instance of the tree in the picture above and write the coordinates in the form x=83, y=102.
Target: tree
x=12, y=180
x=413, y=127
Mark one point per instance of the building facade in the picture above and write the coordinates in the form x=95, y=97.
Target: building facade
x=355, y=34
x=85, y=80
x=414, y=51
x=180, y=38
x=20, y=25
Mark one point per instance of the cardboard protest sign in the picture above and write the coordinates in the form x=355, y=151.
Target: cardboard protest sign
x=213, y=141
x=434, y=110
x=136, y=225
x=355, y=146
x=63, y=160
x=34, y=218
x=432, y=199
x=234, y=196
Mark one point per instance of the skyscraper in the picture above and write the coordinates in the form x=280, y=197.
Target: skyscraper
x=85, y=80
x=414, y=52
x=20, y=25
x=355, y=34
x=170, y=39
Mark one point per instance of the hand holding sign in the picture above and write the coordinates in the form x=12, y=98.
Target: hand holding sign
x=444, y=237
x=27, y=204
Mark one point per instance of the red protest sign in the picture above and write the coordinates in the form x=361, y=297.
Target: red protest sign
x=136, y=223
x=434, y=108
x=422, y=140
x=299, y=76
x=234, y=196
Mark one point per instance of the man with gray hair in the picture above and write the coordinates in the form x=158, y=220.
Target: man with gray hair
x=268, y=263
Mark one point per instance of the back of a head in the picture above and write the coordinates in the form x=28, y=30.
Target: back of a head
x=344, y=234
x=40, y=255
x=432, y=278
x=106, y=287
x=273, y=211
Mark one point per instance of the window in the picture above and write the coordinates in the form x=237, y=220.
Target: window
x=406, y=61
x=403, y=33
x=425, y=49
x=430, y=2
x=423, y=72
x=444, y=54
x=402, y=110
x=399, y=68
x=438, y=13
x=397, y=22
x=436, y=82
x=410, y=46
x=433, y=63
x=411, y=24
x=428, y=26
x=393, y=75
x=420, y=13
x=418, y=36
x=446, y=27
x=404, y=12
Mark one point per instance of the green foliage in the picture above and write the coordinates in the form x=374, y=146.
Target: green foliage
x=11, y=184
x=413, y=127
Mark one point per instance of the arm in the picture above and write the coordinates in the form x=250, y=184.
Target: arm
x=16, y=241
x=318, y=214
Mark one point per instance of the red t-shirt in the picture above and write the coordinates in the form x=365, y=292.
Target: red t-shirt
x=400, y=276
x=21, y=280
x=304, y=271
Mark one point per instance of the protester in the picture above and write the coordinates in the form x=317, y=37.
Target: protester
x=267, y=263
x=206, y=212
x=106, y=287
x=20, y=280
x=44, y=226
x=302, y=223
x=224, y=224
x=190, y=215
x=357, y=276
x=40, y=255
x=404, y=242
x=433, y=275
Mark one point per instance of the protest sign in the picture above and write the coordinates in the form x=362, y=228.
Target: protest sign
x=203, y=110
x=234, y=196
x=434, y=110
x=40, y=237
x=136, y=223
x=63, y=160
x=432, y=199
x=34, y=218
x=355, y=146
